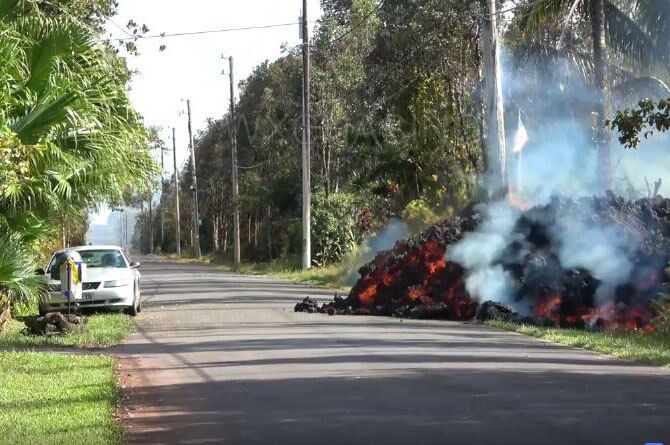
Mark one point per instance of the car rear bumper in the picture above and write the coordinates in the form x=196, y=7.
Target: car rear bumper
x=110, y=298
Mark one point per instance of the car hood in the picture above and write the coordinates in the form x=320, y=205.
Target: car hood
x=106, y=274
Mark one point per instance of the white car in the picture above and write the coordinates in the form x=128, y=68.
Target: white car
x=111, y=281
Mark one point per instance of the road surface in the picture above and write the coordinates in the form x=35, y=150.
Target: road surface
x=222, y=358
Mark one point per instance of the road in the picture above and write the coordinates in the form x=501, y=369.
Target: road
x=222, y=358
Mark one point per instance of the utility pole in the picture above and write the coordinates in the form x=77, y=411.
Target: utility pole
x=496, y=155
x=151, y=226
x=138, y=222
x=176, y=190
x=160, y=207
x=237, y=256
x=306, y=162
x=196, y=216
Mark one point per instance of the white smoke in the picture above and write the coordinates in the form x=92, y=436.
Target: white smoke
x=479, y=251
x=602, y=250
x=558, y=160
x=385, y=239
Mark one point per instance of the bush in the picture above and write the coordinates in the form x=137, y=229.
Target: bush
x=335, y=226
x=418, y=215
x=662, y=321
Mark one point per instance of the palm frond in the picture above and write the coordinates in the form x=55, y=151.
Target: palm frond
x=627, y=39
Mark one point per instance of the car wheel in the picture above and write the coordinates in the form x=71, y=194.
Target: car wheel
x=133, y=310
x=139, y=297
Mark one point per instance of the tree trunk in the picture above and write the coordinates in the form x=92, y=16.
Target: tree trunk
x=5, y=312
x=225, y=238
x=269, y=229
x=600, y=84
x=496, y=174
x=249, y=231
x=256, y=230
x=215, y=233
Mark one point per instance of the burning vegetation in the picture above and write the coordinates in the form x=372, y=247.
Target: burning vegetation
x=587, y=263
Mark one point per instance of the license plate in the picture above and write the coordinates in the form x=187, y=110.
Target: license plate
x=87, y=296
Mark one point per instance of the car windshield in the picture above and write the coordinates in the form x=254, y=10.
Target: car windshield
x=103, y=258
x=93, y=258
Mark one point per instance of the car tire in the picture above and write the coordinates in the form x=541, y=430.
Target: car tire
x=139, y=297
x=133, y=310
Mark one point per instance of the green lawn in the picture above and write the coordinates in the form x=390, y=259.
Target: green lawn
x=651, y=348
x=102, y=330
x=57, y=399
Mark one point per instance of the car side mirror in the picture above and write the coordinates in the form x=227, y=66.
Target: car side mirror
x=40, y=271
x=135, y=265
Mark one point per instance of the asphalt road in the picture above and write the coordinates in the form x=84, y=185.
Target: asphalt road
x=222, y=358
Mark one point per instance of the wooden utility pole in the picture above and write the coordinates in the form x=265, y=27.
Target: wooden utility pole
x=237, y=255
x=160, y=206
x=196, y=216
x=496, y=155
x=176, y=190
x=306, y=145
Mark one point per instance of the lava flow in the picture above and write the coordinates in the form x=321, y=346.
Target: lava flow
x=416, y=278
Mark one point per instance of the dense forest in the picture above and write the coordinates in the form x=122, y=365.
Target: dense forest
x=398, y=119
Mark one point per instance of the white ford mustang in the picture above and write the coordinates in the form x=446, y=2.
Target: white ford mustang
x=111, y=281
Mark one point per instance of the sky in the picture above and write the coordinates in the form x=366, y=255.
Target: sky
x=191, y=66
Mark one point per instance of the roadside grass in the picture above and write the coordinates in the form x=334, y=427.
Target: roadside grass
x=102, y=330
x=652, y=348
x=333, y=276
x=49, y=398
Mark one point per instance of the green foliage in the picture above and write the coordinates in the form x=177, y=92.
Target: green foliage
x=335, y=227
x=662, y=307
x=389, y=123
x=418, y=215
x=69, y=138
x=643, y=120
x=18, y=281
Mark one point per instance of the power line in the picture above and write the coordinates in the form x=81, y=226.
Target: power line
x=125, y=31
x=210, y=31
x=359, y=24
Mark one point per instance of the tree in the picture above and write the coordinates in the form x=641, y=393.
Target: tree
x=69, y=137
x=645, y=119
x=631, y=31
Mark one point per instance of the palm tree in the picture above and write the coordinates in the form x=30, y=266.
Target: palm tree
x=69, y=138
x=636, y=33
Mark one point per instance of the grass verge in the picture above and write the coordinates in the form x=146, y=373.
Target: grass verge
x=102, y=330
x=651, y=348
x=58, y=398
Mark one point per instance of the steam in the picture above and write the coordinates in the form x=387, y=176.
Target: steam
x=385, y=239
x=602, y=250
x=558, y=160
x=479, y=251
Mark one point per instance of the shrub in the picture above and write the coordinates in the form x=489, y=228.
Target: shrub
x=662, y=321
x=335, y=226
x=418, y=215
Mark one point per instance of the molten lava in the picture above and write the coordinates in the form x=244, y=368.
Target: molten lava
x=414, y=279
